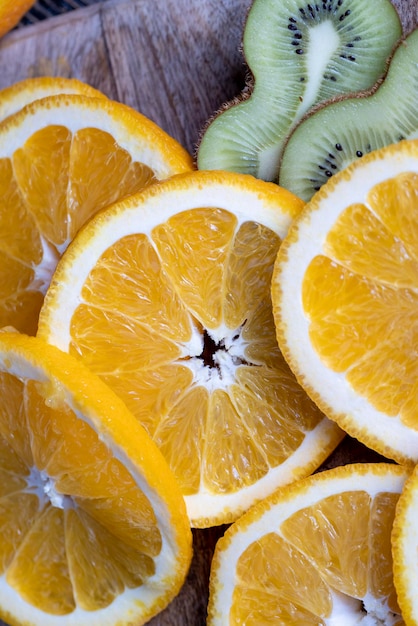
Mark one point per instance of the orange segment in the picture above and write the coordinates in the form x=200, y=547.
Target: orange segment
x=63, y=158
x=186, y=258
x=18, y=512
x=100, y=172
x=260, y=583
x=188, y=340
x=121, y=567
x=380, y=566
x=337, y=546
x=92, y=520
x=45, y=155
x=41, y=558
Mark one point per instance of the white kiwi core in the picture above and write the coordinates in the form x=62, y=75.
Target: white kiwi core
x=322, y=45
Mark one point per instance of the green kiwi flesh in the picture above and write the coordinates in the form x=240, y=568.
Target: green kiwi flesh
x=298, y=55
x=332, y=137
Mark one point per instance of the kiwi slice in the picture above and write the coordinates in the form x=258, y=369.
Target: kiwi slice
x=298, y=55
x=333, y=136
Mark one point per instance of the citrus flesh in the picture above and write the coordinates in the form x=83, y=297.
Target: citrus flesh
x=11, y=11
x=166, y=296
x=315, y=552
x=93, y=524
x=344, y=296
x=62, y=159
x=18, y=95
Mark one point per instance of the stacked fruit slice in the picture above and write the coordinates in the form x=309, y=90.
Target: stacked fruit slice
x=215, y=313
x=186, y=339
x=93, y=522
x=309, y=54
x=344, y=302
x=335, y=135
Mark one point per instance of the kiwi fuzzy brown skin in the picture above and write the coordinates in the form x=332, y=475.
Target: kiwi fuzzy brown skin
x=241, y=136
x=408, y=14
x=341, y=130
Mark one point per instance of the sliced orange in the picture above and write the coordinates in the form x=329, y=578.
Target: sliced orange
x=62, y=159
x=166, y=296
x=404, y=548
x=317, y=552
x=18, y=95
x=345, y=301
x=11, y=12
x=93, y=523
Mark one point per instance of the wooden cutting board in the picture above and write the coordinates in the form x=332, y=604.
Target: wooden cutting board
x=176, y=61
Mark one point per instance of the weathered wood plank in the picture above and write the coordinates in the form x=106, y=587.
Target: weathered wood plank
x=68, y=45
x=178, y=69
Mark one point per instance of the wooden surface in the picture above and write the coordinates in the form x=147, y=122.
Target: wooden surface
x=176, y=61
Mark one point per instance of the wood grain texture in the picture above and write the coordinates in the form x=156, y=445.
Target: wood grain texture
x=176, y=61
x=185, y=67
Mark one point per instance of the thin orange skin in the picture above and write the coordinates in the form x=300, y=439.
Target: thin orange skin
x=10, y=13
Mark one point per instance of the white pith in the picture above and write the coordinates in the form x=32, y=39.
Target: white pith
x=75, y=115
x=43, y=486
x=22, y=97
x=347, y=611
x=44, y=270
x=229, y=355
x=333, y=387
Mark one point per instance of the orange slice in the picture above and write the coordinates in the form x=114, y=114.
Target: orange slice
x=317, y=552
x=62, y=159
x=345, y=300
x=93, y=524
x=166, y=296
x=18, y=95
